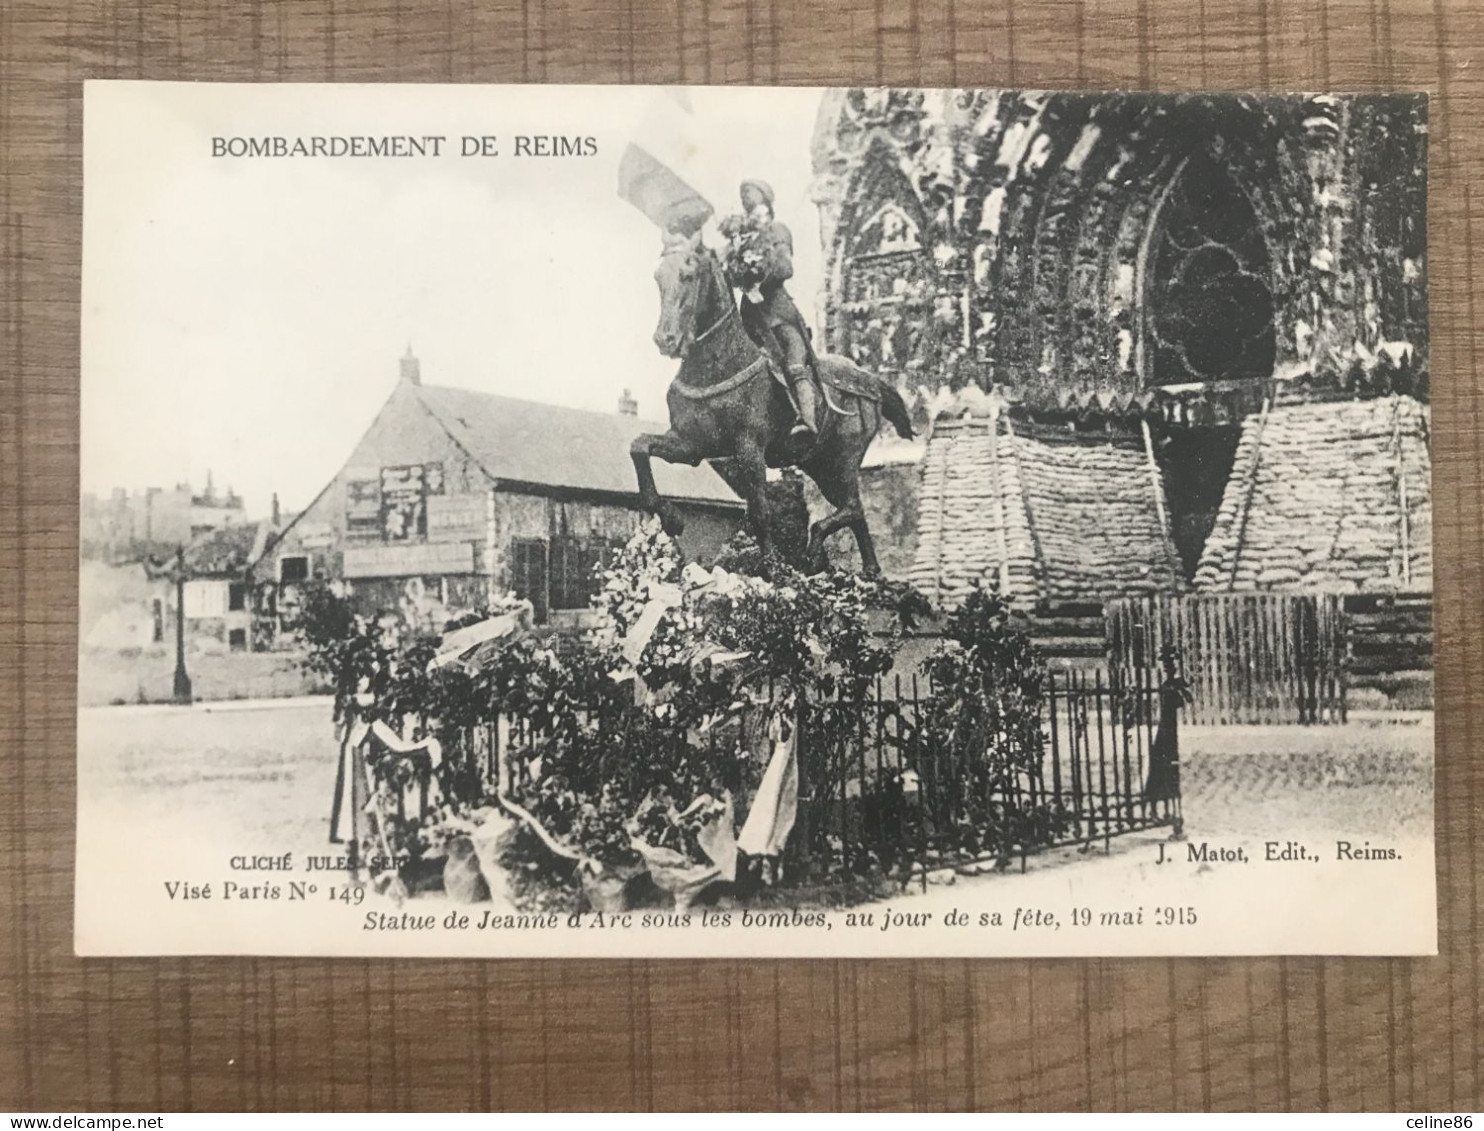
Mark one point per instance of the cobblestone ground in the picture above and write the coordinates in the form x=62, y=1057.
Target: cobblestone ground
x=1272, y=780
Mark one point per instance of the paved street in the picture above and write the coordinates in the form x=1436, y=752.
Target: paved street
x=260, y=775
x=113, y=678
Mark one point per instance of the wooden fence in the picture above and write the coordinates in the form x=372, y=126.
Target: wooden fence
x=1248, y=657
x=1390, y=640
x=1074, y=631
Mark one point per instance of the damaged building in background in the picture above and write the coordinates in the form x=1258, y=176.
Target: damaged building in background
x=1164, y=343
x=1170, y=356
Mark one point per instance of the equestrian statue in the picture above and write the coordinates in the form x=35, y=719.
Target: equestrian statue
x=751, y=393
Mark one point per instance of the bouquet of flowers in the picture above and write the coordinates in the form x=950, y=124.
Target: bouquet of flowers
x=744, y=257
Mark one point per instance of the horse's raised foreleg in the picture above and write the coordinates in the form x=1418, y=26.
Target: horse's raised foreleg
x=672, y=448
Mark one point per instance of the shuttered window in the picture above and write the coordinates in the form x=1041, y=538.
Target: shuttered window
x=528, y=573
x=572, y=565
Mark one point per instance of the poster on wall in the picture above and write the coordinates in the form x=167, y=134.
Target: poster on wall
x=362, y=508
x=404, y=502
x=457, y=518
x=1032, y=495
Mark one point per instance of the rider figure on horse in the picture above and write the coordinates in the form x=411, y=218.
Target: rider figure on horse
x=759, y=261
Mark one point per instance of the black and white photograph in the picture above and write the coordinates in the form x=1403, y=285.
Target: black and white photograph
x=738, y=521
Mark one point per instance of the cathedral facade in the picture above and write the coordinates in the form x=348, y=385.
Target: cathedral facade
x=1162, y=342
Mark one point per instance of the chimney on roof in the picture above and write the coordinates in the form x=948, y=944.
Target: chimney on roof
x=275, y=510
x=411, y=370
x=627, y=405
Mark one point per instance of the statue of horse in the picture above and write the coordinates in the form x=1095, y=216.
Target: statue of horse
x=728, y=407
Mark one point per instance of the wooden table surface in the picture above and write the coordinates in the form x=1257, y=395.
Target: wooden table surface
x=1294, y=1033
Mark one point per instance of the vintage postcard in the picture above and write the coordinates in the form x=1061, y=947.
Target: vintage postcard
x=636, y=521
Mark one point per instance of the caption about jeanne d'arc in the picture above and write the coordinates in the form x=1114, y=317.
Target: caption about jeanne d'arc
x=321, y=884
x=878, y=919
x=882, y=920
x=273, y=879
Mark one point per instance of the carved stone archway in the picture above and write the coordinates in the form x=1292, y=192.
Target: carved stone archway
x=889, y=287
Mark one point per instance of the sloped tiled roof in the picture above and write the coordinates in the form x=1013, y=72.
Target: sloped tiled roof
x=1333, y=497
x=548, y=445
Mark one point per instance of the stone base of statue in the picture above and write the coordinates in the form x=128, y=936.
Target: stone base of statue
x=788, y=524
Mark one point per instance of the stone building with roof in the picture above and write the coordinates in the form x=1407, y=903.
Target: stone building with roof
x=219, y=599
x=1166, y=342
x=459, y=496
x=221, y=603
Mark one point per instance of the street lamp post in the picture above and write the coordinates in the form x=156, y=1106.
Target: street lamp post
x=182, y=680
x=176, y=572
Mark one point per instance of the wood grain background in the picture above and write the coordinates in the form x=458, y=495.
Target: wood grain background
x=1292, y=1033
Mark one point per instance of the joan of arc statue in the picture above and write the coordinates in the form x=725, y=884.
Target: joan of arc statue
x=759, y=262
